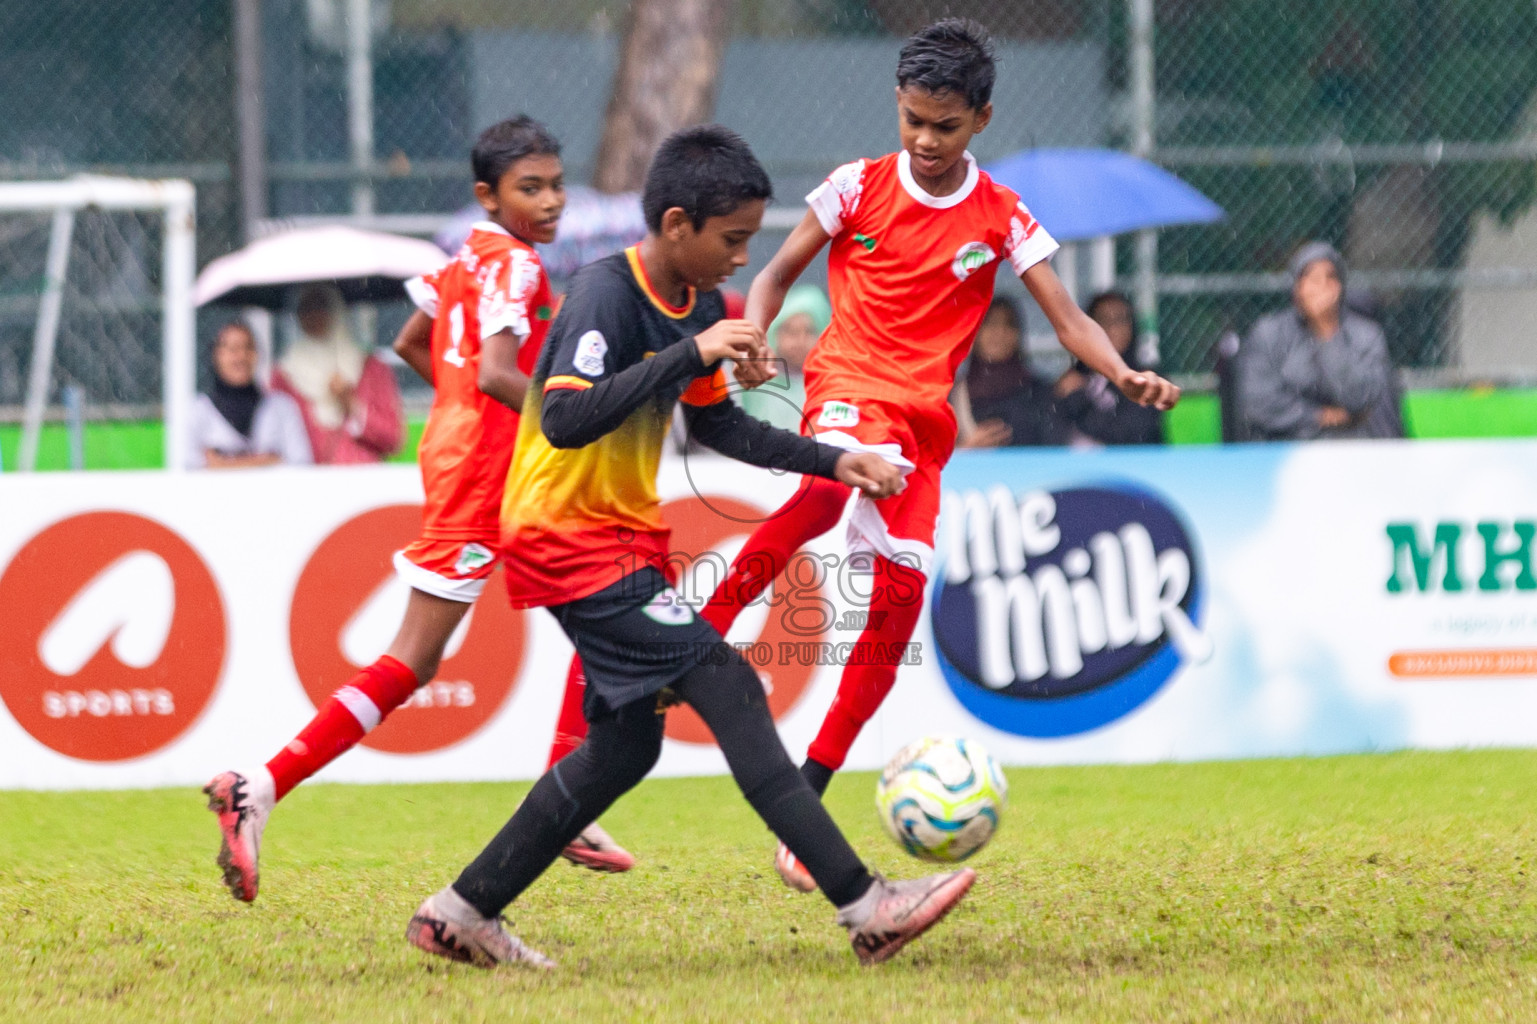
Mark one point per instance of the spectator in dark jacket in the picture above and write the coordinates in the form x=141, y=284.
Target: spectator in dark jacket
x=1317, y=369
x=1093, y=407
x=999, y=402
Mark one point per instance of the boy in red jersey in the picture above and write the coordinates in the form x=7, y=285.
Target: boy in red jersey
x=582, y=533
x=475, y=337
x=916, y=238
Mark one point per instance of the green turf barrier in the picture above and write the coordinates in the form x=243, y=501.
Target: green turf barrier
x=1470, y=412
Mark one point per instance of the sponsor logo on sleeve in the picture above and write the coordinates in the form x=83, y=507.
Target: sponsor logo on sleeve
x=590, y=350
x=1058, y=613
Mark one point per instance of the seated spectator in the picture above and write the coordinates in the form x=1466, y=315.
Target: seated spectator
x=793, y=334
x=1095, y=408
x=1317, y=369
x=999, y=402
x=236, y=424
x=349, y=398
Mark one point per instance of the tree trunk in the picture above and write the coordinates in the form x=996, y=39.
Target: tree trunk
x=666, y=80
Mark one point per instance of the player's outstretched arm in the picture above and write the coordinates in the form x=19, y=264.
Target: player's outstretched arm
x=725, y=427
x=768, y=290
x=1086, y=340
x=498, y=375
x=414, y=344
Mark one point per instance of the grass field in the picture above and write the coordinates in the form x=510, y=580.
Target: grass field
x=1386, y=887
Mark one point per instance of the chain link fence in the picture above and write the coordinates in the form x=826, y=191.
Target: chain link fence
x=1401, y=130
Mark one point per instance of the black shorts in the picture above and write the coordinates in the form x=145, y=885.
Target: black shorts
x=635, y=638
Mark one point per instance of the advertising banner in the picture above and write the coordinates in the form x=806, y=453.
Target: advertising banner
x=1131, y=605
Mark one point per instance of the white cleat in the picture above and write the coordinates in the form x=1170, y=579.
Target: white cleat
x=446, y=925
x=892, y=914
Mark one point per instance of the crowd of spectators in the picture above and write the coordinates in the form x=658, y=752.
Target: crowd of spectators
x=1314, y=369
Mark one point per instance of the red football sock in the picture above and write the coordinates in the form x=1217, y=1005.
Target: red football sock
x=815, y=509
x=571, y=725
x=342, y=720
x=895, y=604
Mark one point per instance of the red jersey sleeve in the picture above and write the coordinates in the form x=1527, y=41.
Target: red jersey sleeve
x=1028, y=243
x=707, y=390
x=508, y=294
x=836, y=200
x=423, y=292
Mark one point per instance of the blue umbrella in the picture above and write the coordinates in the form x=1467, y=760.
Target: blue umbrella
x=1086, y=193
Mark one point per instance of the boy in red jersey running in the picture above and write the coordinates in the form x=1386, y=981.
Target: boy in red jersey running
x=916, y=238
x=477, y=332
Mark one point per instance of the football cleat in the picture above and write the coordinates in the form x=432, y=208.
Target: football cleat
x=446, y=925
x=892, y=914
x=242, y=804
x=793, y=871
x=596, y=849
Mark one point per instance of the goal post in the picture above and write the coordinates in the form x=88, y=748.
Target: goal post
x=118, y=268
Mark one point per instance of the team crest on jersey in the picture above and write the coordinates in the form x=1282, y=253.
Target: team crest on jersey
x=590, y=350
x=472, y=557
x=970, y=258
x=667, y=607
x=836, y=415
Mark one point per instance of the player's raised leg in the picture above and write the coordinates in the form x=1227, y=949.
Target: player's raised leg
x=814, y=509
x=242, y=800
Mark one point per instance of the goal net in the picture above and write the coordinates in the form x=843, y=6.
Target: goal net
x=96, y=305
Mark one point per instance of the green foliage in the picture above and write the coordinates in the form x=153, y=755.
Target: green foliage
x=1343, y=889
x=1347, y=73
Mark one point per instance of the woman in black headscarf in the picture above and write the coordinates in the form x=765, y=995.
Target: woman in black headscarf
x=999, y=402
x=1096, y=410
x=237, y=424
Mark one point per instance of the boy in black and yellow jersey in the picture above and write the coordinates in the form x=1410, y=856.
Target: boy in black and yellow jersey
x=581, y=534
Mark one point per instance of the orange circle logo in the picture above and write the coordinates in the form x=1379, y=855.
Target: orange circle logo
x=697, y=527
x=112, y=636
x=344, y=593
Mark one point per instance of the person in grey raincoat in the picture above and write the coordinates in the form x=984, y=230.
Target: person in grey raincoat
x=1317, y=369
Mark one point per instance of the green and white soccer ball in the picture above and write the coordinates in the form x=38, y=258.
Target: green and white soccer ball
x=941, y=798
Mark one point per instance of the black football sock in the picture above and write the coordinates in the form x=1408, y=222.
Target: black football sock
x=730, y=699
x=619, y=750
x=817, y=775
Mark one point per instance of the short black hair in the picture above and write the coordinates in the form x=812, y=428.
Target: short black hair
x=707, y=171
x=954, y=55
x=505, y=143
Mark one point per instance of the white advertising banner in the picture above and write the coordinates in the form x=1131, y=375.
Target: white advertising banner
x=1127, y=605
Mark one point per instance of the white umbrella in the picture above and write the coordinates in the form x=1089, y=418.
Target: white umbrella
x=368, y=266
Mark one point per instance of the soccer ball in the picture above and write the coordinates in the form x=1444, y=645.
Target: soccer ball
x=941, y=798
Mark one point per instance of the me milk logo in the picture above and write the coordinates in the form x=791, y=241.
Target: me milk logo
x=1057, y=613
x=112, y=636
x=346, y=607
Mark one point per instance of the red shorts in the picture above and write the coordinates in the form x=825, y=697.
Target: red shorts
x=455, y=570
x=917, y=440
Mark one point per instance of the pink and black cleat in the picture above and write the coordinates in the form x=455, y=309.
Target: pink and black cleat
x=242, y=804
x=596, y=850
